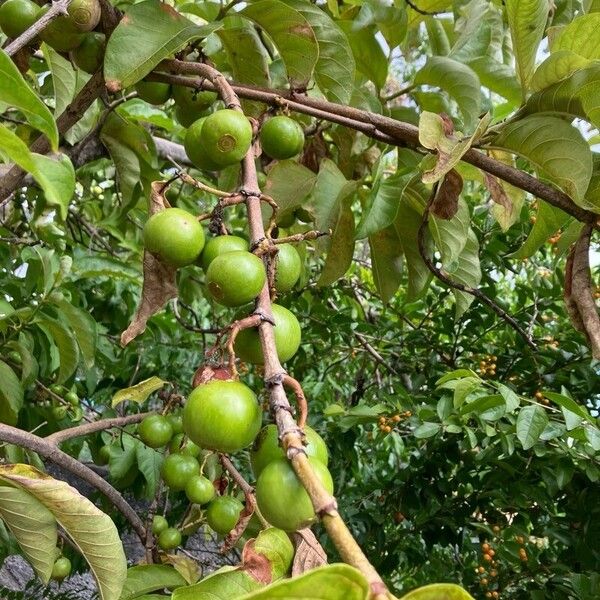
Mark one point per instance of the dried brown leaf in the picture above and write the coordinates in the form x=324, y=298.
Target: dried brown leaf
x=206, y=373
x=309, y=553
x=499, y=196
x=258, y=566
x=236, y=533
x=445, y=203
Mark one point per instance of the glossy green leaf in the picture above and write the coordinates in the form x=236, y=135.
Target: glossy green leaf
x=555, y=149
x=468, y=272
x=276, y=545
x=331, y=582
x=64, y=78
x=427, y=430
x=558, y=66
x=450, y=235
x=438, y=591
x=497, y=77
x=139, y=392
x=570, y=404
x=459, y=81
x=426, y=6
x=149, y=578
x=531, y=422
x=390, y=19
x=15, y=92
x=83, y=327
x=334, y=70
x=11, y=395
x=527, y=21
x=90, y=266
x=149, y=462
x=592, y=195
x=56, y=176
x=33, y=526
x=68, y=351
x=223, y=584
x=488, y=408
x=158, y=30
x=386, y=262
x=292, y=35
x=83, y=523
x=580, y=36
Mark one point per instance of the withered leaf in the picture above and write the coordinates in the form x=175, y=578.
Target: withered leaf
x=445, y=203
x=258, y=566
x=309, y=553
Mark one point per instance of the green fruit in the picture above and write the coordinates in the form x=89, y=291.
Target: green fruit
x=304, y=215
x=200, y=490
x=266, y=448
x=169, y=539
x=176, y=423
x=155, y=431
x=186, y=118
x=103, y=457
x=223, y=514
x=90, y=54
x=175, y=236
x=221, y=245
x=282, y=499
x=61, y=568
x=59, y=412
x=15, y=357
x=281, y=137
x=153, y=92
x=57, y=389
x=191, y=102
x=17, y=15
x=84, y=15
x=235, y=278
x=182, y=445
x=222, y=415
x=289, y=268
x=60, y=34
x=286, y=220
x=178, y=469
x=195, y=149
x=261, y=179
x=159, y=524
x=226, y=136
x=288, y=335
x=72, y=398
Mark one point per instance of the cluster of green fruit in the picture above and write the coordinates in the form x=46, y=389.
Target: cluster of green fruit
x=65, y=401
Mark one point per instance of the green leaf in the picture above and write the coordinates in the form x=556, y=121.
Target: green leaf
x=391, y=20
x=331, y=582
x=555, y=149
x=531, y=422
x=149, y=462
x=488, y=408
x=456, y=374
x=462, y=388
x=139, y=392
x=386, y=262
x=224, y=584
x=527, y=21
x=138, y=110
x=91, y=266
x=15, y=92
x=276, y=545
x=158, y=30
x=497, y=77
x=334, y=71
x=467, y=272
x=64, y=78
x=68, y=350
x=450, y=235
x=570, y=404
x=427, y=430
x=83, y=523
x=247, y=57
x=33, y=526
x=592, y=195
x=438, y=591
x=459, y=81
x=56, y=176
x=150, y=578
x=123, y=457
x=292, y=35
x=558, y=66
x=580, y=36
x=11, y=395
x=510, y=398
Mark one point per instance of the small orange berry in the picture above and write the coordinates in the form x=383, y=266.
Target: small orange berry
x=493, y=573
x=396, y=418
x=481, y=569
x=484, y=582
x=487, y=557
x=496, y=529
x=520, y=539
x=494, y=594
x=387, y=429
x=485, y=547
x=491, y=552
x=488, y=594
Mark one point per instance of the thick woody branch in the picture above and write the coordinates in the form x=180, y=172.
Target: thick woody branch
x=51, y=452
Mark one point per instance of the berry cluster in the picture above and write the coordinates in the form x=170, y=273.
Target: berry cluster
x=387, y=424
x=487, y=365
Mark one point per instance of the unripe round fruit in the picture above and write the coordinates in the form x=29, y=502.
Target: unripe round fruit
x=84, y=15
x=176, y=423
x=72, y=398
x=59, y=412
x=57, y=389
x=61, y=568
x=266, y=448
x=282, y=499
x=178, y=469
x=17, y=15
x=289, y=268
x=222, y=415
x=175, y=236
x=187, y=119
x=103, y=456
x=200, y=490
x=60, y=34
x=90, y=54
x=288, y=335
x=223, y=513
x=261, y=179
x=195, y=149
x=235, y=278
x=15, y=357
x=155, y=431
x=187, y=447
x=169, y=539
x=281, y=137
x=153, y=92
x=226, y=135
x=159, y=524
x=192, y=103
x=222, y=244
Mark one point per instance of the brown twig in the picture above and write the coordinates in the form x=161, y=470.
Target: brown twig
x=301, y=237
x=424, y=12
x=294, y=385
x=234, y=329
x=459, y=286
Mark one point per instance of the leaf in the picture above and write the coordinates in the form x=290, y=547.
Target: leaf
x=158, y=30
x=331, y=582
x=83, y=327
x=497, y=77
x=187, y=567
x=510, y=398
x=558, y=66
x=143, y=579
x=555, y=149
x=82, y=521
x=309, y=554
x=548, y=221
x=467, y=272
x=456, y=374
x=92, y=266
x=386, y=262
x=438, y=591
x=292, y=35
x=427, y=430
x=334, y=71
x=451, y=236
x=64, y=78
x=11, y=395
x=488, y=408
x=149, y=462
x=55, y=176
x=580, y=36
x=224, y=584
x=592, y=195
x=139, y=392
x=276, y=546
x=15, y=92
x=68, y=351
x=508, y=199
x=527, y=21
x=570, y=404
x=531, y=422
x=458, y=80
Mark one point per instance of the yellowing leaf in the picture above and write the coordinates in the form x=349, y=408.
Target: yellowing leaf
x=438, y=591
x=138, y=392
